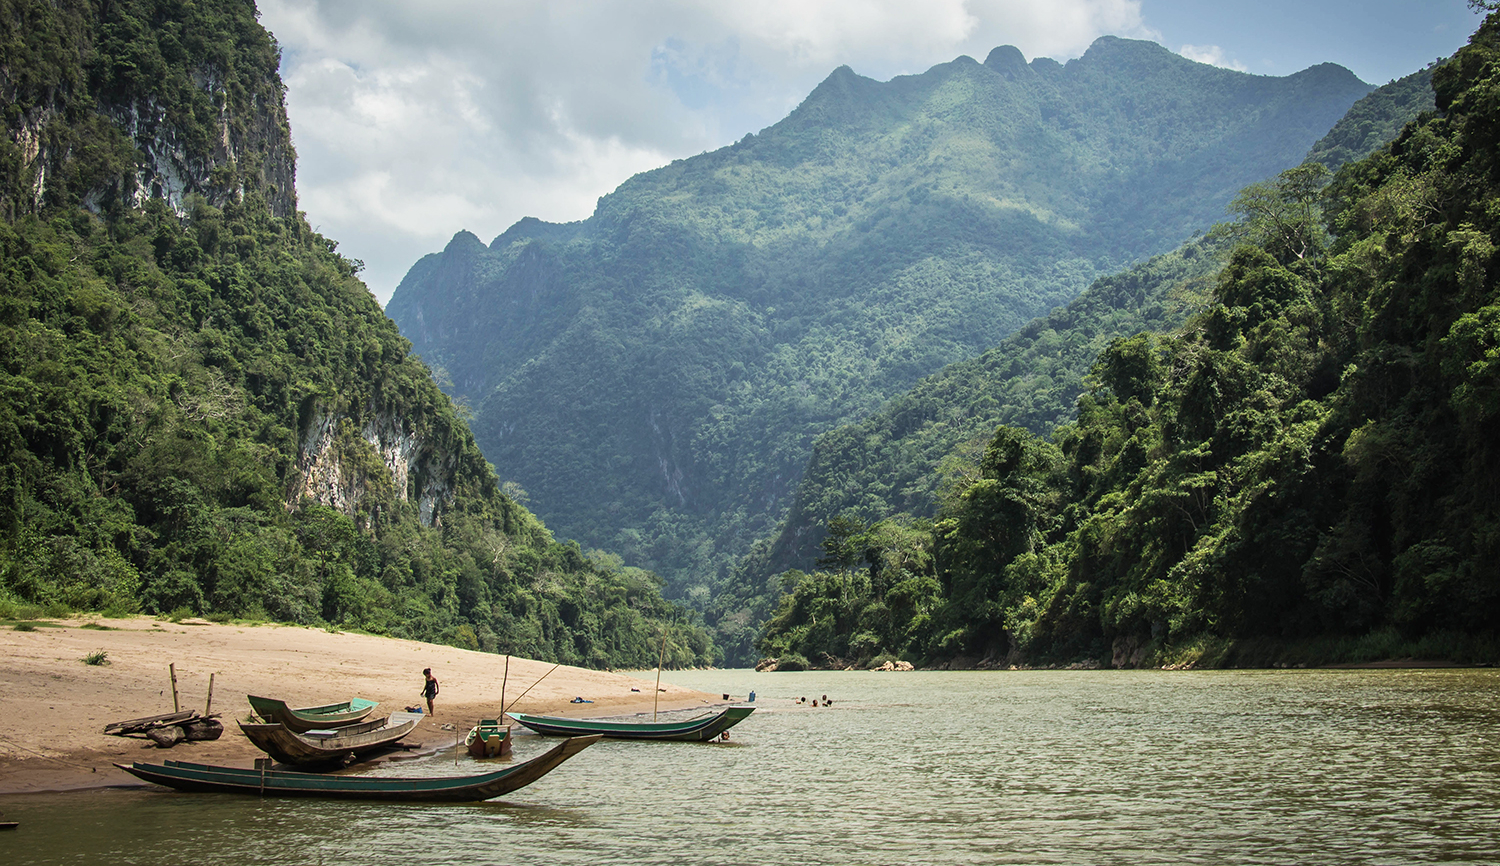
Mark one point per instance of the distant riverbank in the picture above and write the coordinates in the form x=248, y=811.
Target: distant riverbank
x=56, y=705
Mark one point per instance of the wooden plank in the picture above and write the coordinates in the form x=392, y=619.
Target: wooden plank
x=162, y=719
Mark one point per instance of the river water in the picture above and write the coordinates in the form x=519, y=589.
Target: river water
x=1088, y=767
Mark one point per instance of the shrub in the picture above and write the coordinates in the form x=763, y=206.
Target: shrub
x=792, y=662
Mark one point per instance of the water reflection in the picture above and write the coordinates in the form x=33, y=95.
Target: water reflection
x=1023, y=767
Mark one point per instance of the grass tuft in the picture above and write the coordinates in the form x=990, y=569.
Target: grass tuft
x=97, y=657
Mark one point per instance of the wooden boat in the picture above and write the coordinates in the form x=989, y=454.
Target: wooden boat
x=697, y=728
x=304, y=719
x=283, y=783
x=488, y=739
x=332, y=746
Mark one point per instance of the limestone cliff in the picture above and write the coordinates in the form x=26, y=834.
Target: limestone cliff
x=113, y=104
x=339, y=465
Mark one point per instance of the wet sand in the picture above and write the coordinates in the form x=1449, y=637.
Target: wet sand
x=53, y=706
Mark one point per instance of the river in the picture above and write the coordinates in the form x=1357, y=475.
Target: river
x=1087, y=767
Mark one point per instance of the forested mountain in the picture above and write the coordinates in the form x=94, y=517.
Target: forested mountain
x=1311, y=455
x=653, y=376
x=202, y=408
x=893, y=462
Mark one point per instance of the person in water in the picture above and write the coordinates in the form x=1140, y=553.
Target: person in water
x=429, y=688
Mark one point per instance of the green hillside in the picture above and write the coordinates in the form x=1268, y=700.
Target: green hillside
x=653, y=377
x=1303, y=471
x=202, y=409
x=896, y=461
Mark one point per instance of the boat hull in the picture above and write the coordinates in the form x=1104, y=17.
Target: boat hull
x=203, y=778
x=488, y=739
x=304, y=719
x=342, y=746
x=702, y=728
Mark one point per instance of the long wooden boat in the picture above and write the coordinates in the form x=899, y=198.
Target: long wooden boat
x=488, y=739
x=697, y=728
x=185, y=776
x=304, y=719
x=331, y=746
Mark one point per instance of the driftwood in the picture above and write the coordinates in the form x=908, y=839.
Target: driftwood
x=169, y=729
x=146, y=723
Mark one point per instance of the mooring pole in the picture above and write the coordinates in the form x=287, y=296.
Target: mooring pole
x=656, y=696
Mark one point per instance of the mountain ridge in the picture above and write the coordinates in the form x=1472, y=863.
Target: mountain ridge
x=683, y=345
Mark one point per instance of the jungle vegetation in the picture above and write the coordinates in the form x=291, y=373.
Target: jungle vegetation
x=1310, y=455
x=898, y=460
x=163, y=361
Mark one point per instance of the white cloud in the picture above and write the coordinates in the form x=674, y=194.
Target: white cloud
x=1213, y=55
x=413, y=121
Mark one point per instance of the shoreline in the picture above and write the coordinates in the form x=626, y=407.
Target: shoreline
x=56, y=706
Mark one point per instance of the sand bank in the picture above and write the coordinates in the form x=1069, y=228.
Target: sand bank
x=53, y=707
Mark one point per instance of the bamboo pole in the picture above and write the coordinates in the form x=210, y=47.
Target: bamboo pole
x=504, y=710
x=172, y=669
x=503, y=681
x=208, y=704
x=656, y=695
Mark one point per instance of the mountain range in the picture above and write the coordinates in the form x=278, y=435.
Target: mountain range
x=653, y=377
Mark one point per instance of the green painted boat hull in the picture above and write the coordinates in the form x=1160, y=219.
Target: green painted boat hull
x=699, y=728
x=304, y=719
x=204, y=778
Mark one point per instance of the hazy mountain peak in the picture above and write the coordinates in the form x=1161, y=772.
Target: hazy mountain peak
x=1328, y=74
x=464, y=241
x=1008, y=61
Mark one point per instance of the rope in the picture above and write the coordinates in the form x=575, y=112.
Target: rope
x=22, y=748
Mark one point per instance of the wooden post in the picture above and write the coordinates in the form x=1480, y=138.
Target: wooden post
x=172, y=668
x=656, y=697
x=208, y=704
x=503, y=680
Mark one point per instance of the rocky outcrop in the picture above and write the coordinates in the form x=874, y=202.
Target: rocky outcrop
x=1128, y=651
x=218, y=131
x=169, y=168
x=339, y=467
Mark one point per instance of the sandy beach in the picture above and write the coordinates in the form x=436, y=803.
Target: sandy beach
x=53, y=706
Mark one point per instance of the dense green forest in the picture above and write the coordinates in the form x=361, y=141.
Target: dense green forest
x=897, y=460
x=1311, y=456
x=202, y=409
x=654, y=376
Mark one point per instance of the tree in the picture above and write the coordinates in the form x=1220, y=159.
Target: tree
x=1283, y=216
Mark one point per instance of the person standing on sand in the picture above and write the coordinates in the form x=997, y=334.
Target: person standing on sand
x=429, y=688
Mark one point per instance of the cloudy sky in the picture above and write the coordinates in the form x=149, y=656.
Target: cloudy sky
x=413, y=120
